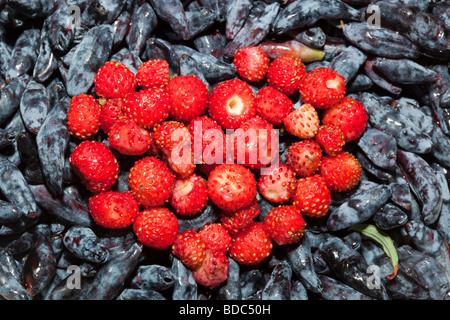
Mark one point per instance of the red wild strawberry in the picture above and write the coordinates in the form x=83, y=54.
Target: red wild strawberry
x=304, y=157
x=113, y=209
x=151, y=182
x=277, y=183
x=181, y=163
x=251, y=245
x=251, y=63
x=189, y=248
x=322, y=87
x=214, y=269
x=215, y=237
x=188, y=97
x=170, y=134
x=189, y=195
x=147, y=107
x=234, y=221
x=350, y=115
x=111, y=112
x=273, y=105
x=341, y=172
x=285, y=224
x=312, y=196
x=330, y=138
x=156, y=228
x=231, y=186
x=114, y=80
x=83, y=118
x=208, y=141
x=174, y=141
x=127, y=137
x=253, y=143
x=231, y=103
x=285, y=74
x=153, y=74
x=303, y=122
x=95, y=164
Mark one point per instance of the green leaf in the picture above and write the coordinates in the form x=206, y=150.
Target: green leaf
x=373, y=232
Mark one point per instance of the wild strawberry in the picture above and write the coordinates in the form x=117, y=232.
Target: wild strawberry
x=285, y=74
x=215, y=237
x=114, y=80
x=170, y=134
x=350, y=115
x=188, y=97
x=285, y=224
x=113, y=209
x=153, y=74
x=147, y=107
x=253, y=143
x=111, y=111
x=231, y=103
x=174, y=141
x=251, y=63
x=189, y=195
x=330, y=138
x=151, y=181
x=231, y=186
x=156, y=228
x=251, y=245
x=214, y=269
x=181, y=161
x=208, y=141
x=322, y=88
x=273, y=105
x=304, y=157
x=127, y=137
x=341, y=172
x=303, y=122
x=277, y=183
x=95, y=164
x=312, y=196
x=236, y=220
x=83, y=118
x=189, y=248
